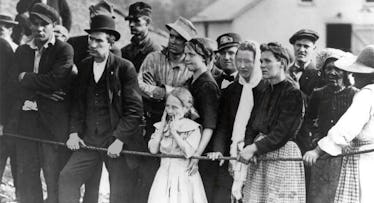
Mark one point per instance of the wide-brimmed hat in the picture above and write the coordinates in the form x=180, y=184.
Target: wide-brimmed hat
x=304, y=34
x=328, y=53
x=44, y=12
x=228, y=40
x=363, y=63
x=103, y=23
x=139, y=9
x=7, y=20
x=184, y=27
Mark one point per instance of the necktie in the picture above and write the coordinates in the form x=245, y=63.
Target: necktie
x=228, y=77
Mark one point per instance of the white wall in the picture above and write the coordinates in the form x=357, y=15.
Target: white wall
x=215, y=29
x=277, y=20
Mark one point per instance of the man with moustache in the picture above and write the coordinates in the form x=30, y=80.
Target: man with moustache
x=227, y=46
x=41, y=67
x=141, y=44
x=303, y=71
x=106, y=113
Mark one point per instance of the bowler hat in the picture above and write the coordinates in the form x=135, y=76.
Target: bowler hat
x=304, y=34
x=363, y=63
x=7, y=20
x=103, y=23
x=228, y=40
x=139, y=9
x=102, y=8
x=44, y=12
x=184, y=27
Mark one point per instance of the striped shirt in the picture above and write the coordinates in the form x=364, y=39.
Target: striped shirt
x=166, y=75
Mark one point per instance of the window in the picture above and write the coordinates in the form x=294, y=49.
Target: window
x=307, y=2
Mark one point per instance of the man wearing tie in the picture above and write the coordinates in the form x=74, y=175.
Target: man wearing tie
x=303, y=71
x=227, y=46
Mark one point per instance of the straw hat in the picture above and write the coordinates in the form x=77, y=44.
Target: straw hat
x=363, y=63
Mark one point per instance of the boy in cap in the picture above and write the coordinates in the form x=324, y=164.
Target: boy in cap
x=106, y=112
x=227, y=46
x=141, y=44
x=41, y=67
x=303, y=71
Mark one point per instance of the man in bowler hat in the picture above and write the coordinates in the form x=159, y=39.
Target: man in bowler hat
x=106, y=113
x=80, y=43
x=141, y=44
x=41, y=68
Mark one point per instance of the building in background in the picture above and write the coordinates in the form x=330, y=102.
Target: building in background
x=343, y=24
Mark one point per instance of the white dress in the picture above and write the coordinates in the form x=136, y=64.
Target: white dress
x=355, y=127
x=172, y=184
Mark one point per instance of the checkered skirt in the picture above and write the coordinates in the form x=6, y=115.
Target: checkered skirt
x=348, y=190
x=276, y=181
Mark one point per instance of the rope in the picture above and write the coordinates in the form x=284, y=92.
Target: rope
x=146, y=154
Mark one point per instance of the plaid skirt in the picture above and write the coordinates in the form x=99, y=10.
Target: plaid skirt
x=348, y=190
x=276, y=181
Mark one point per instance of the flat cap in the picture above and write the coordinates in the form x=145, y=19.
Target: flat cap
x=44, y=12
x=228, y=40
x=139, y=9
x=304, y=34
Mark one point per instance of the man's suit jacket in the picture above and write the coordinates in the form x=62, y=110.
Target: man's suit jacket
x=124, y=100
x=6, y=62
x=54, y=74
x=310, y=79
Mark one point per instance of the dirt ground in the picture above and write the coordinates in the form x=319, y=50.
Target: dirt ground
x=7, y=191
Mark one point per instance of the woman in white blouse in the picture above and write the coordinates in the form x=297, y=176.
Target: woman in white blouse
x=353, y=132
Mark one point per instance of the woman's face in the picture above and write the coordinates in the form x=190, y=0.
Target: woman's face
x=192, y=60
x=271, y=67
x=244, y=61
x=174, y=108
x=333, y=75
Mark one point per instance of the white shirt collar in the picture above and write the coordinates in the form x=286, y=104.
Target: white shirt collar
x=51, y=41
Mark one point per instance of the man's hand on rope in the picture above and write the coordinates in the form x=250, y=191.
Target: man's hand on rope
x=115, y=149
x=1, y=130
x=215, y=155
x=74, y=142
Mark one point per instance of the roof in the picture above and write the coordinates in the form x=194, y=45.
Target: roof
x=224, y=10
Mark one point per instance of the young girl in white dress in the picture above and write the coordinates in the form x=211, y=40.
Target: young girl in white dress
x=176, y=134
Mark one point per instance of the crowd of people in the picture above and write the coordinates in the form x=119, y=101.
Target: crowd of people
x=194, y=97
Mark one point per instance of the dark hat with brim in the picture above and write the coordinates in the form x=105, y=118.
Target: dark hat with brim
x=45, y=13
x=363, y=63
x=228, y=40
x=7, y=20
x=304, y=34
x=103, y=23
x=183, y=27
x=139, y=9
